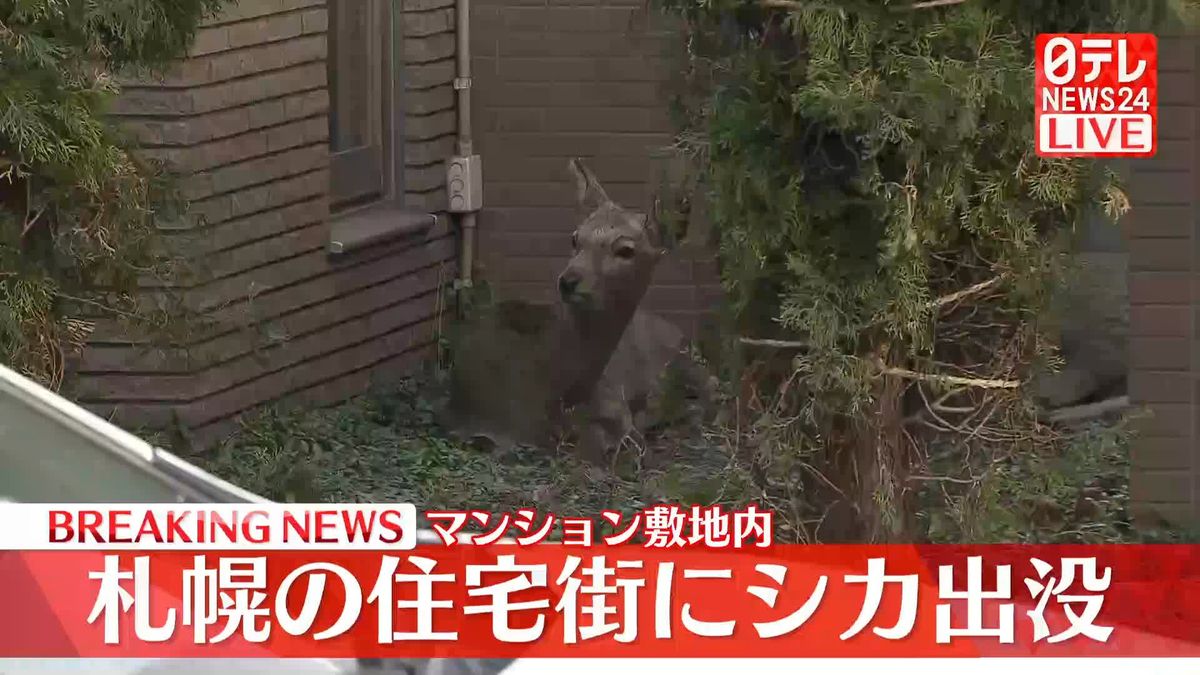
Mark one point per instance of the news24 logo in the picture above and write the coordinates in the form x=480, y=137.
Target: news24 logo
x=1096, y=95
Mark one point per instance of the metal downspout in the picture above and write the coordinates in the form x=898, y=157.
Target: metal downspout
x=462, y=86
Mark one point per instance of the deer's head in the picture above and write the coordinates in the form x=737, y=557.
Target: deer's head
x=615, y=251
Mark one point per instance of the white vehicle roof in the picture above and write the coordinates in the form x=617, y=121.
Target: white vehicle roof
x=52, y=450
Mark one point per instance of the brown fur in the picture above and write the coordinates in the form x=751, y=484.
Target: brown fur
x=619, y=353
x=598, y=355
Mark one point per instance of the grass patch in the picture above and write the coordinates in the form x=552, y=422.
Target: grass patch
x=1080, y=496
x=387, y=446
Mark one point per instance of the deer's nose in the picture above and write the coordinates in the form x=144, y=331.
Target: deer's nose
x=567, y=283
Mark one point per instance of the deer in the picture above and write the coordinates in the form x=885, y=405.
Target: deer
x=611, y=355
x=593, y=362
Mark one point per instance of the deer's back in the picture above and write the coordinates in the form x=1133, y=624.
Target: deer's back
x=647, y=346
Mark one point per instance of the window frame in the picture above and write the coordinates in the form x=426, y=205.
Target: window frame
x=348, y=168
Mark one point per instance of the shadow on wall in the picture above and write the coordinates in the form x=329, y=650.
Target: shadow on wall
x=1094, y=323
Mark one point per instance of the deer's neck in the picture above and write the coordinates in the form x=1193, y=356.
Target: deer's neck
x=593, y=338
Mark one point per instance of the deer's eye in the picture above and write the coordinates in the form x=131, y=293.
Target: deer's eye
x=626, y=251
x=574, y=240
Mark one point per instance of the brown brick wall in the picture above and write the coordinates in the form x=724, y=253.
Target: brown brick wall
x=555, y=79
x=245, y=120
x=429, y=101
x=1162, y=235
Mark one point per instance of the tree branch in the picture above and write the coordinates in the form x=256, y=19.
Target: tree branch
x=799, y=4
x=1090, y=411
x=98, y=305
x=936, y=3
x=977, y=382
x=933, y=304
x=777, y=344
x=969, y=291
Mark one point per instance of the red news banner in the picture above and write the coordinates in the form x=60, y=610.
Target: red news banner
x=1096, y=95
x=357, y=581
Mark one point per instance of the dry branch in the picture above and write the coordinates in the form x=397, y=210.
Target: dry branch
x=967, y=292
x=978, y=382
x=1090, y=411
x=799, y=4
x=777, y=344
x=936, y=3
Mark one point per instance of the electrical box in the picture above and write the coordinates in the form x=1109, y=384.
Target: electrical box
x=464, y=184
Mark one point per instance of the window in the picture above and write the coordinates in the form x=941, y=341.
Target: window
x=365, y=163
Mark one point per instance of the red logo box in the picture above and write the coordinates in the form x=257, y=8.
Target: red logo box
x=1096, y=95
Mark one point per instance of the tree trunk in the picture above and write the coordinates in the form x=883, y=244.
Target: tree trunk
x=869, y=461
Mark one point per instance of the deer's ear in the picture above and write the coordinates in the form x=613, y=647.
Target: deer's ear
x=653, y=230
x=587, y=188
x=652, y=224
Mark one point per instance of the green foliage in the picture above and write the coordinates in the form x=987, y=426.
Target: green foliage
x=864, y=162
x=387, y=446
x=77, y=209
x=1079, y=495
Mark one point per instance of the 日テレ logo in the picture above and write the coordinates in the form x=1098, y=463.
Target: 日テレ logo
x=1096, y=95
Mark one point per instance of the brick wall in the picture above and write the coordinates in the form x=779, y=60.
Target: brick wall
x=245, y=119
x=560, y=78
x=429, y=102
x=1163, y=278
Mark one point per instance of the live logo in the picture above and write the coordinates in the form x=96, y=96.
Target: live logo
x=1096, y=95
x=1096, y=134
